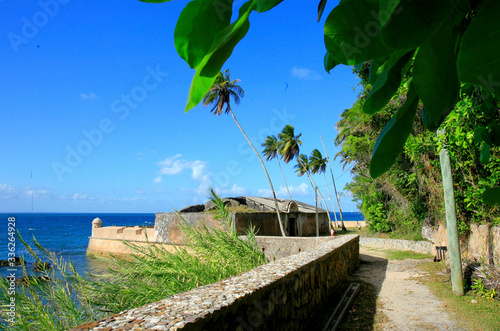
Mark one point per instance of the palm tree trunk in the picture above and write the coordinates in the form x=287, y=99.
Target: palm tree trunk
x=321, y=196
x=316, y=187
x=334, y=187
x=267, y=175
x=333, y=206
x=279, y=163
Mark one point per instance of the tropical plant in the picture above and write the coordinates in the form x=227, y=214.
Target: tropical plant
x=289, y=143
x=303, y=167
x=441, y=43
x=271, y=146
x=317, y=165
x=334, y=185
x=220, y=94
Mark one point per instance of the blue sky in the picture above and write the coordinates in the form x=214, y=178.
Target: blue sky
x=93, y=95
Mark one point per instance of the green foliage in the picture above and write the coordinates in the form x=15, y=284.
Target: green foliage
x=471, y=177
x=221, y=47
x=478, y=57
x=410, y=191
x=199, y=24
x=391, y=139
x=479, y=289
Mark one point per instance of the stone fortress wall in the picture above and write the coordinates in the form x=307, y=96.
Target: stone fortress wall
x=277, y=295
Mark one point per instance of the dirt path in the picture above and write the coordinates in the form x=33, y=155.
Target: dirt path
x=408, y=304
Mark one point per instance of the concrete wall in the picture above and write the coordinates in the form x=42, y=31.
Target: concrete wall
x=130, y=233
x=118, y=248
x=275, y=296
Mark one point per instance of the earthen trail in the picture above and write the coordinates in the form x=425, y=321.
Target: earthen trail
x=408, y=304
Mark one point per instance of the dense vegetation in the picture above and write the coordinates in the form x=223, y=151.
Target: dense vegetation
x=411, y=191
x=60, y=298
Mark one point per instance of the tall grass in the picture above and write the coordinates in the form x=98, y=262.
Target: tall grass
x=153, y=273
x=47, y=300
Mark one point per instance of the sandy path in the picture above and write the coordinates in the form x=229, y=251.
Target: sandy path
x=407, y=304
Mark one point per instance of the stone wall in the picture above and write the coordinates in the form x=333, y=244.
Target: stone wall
x=483, y=244
x=279, y=247
x=424, y=247
x=265, y=223
x=167, y=228
x=278, y=295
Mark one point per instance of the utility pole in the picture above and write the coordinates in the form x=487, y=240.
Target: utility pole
x=451, y=218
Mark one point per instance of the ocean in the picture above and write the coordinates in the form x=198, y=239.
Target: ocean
x=68, y=234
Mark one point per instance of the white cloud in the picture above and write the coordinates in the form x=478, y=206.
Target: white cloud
x=233, y=191
x=90, y=96
x=10, y=192
x=176, y=164
x=134, y=199
x=78, y=196
x=295, y=191
x=173, y=165
x=305, y=73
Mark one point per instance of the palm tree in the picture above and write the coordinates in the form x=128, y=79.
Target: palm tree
x=334, y=188
x=289, y=143
x=271, y=146
x=220, y=95
x=303, y=167
x=318, y=166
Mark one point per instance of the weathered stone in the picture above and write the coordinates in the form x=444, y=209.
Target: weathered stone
x=495, y=241
x=428, y=230
x=193, y=209
x=479, y=242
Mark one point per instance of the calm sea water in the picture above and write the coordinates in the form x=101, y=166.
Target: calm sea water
x=65, y=234
x=68, y=234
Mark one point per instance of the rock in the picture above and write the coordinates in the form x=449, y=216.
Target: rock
x=209, y=205
x=193, y=209
x=428, y=230
x=495, y=249
x=6, y=263
x=479, y=242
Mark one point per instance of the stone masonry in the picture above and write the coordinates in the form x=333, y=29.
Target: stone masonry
x=277, y=295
